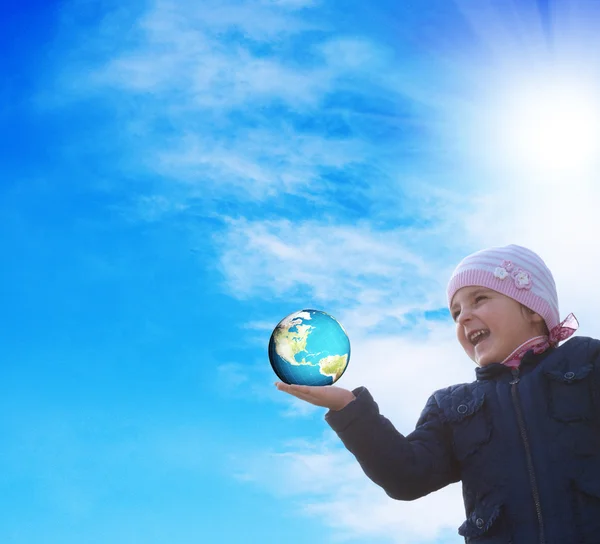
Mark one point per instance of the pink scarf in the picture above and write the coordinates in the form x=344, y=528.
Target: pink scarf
x=539, y=344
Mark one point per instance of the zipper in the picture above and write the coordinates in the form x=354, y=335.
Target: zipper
x=532, y=480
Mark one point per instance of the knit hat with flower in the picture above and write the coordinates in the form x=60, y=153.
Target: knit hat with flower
x=522, y=275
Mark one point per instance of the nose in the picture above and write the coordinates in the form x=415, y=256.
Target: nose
x=464, y=316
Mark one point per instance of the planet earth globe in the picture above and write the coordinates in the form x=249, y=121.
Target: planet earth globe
x=309, y=347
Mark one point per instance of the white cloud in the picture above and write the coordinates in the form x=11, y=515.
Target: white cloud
x=365, y=512
x=189, y=57
x=352, y=53
x=258, y=163
x=347, y=264
x=221, y=102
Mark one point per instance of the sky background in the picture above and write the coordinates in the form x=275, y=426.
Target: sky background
x=176, y=177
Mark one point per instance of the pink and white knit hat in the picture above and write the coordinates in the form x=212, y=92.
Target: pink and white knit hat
x=520, y=274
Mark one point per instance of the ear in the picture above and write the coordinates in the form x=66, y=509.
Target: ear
x=538, y=322
x=537, y=319
x=533, y=317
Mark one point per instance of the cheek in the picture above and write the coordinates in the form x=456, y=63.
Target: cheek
x=489, y=314
x=460, y=334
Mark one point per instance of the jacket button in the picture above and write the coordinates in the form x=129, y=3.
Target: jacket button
x=570, y=375
x=462, y=409
x=480, y=523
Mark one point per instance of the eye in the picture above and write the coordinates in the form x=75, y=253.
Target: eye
x=480, y=297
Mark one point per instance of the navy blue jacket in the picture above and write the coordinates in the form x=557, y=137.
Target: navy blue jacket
x=525, y=443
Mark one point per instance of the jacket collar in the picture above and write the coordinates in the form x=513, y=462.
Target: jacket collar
x=528, y=362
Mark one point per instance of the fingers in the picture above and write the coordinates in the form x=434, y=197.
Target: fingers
x=282, y=386
x=291, y=388
x=303, y=392
x=332, y=397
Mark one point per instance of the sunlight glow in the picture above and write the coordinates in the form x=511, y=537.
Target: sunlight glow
x=548, y=127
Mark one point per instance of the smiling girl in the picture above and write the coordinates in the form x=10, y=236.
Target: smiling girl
x=523, y=438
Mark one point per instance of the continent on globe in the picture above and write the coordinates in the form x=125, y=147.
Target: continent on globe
x=309, y=347
x=291, y=336
x=334, y=366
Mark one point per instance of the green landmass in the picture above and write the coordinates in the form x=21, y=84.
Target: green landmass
x=333, y=365
x=289, y=343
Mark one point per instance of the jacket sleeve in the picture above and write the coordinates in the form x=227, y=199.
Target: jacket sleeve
x=406, y=467
x=595, y=357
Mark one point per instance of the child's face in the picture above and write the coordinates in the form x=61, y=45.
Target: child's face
x=478, y=308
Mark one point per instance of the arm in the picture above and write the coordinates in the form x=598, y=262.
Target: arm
x=406, y=467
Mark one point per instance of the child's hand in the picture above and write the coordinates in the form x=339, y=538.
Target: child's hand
x=328, y=396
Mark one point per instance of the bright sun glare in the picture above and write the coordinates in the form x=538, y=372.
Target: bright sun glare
x=548, y=127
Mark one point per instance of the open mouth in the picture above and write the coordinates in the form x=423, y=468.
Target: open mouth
x=478, y=336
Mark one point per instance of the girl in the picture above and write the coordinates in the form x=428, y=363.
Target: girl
x=524, y=437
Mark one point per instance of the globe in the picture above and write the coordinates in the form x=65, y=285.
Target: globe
x=309, y=347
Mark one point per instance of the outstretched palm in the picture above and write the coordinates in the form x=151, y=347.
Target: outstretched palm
x=328, y=396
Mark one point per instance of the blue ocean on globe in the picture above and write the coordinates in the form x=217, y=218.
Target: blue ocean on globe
x=309, y=347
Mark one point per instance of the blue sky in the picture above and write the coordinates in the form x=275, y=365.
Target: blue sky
x=177, y=177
